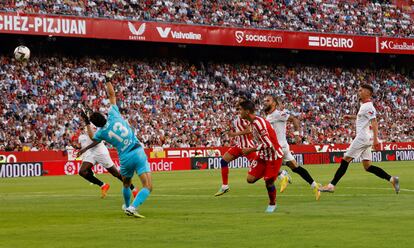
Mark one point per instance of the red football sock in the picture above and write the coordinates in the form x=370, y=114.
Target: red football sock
x=271, y=191
x=225, y=175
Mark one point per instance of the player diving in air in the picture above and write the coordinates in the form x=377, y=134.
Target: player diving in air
x=116, y=131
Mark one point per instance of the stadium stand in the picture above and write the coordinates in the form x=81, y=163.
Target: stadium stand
x=178, y=103
x=387, y=18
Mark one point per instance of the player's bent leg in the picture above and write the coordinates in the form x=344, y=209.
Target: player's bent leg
x=146, y=180
x=251, y=179
x=228, y=157
x=271, y=191
x=225, y=160
x=129, y=210
x=143, y=194
x=86, y=172
x=330, y=188
x=126, y=191
x=139, y=164
x=114, y=172
x=293, y=165
x=394, y=180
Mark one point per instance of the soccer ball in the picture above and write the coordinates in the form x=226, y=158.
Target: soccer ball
x=22, y=53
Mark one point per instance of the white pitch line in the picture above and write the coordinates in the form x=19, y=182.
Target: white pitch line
x=408, y=190
x=40, y=194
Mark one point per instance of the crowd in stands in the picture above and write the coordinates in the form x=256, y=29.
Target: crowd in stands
x=174, y=103
x=366, y=17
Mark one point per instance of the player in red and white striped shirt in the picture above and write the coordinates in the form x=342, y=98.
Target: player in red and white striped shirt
x=269, y=153
x=242, y=127
x=240, y=131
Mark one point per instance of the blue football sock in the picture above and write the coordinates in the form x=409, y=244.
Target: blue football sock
x=126, y=192
x=141, y=197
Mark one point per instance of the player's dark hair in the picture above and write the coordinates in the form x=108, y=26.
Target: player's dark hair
x=248, y=105
x=97, y=119
x=368, y=87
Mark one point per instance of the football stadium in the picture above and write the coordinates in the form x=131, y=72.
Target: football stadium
x=128, y=123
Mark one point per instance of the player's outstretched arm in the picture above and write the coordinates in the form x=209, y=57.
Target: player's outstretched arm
x=93, y=144
x=246, y=151
x=234, y=134
x=296, y=126
x=91, y=133
x=374, y=125
x=264, y=141
x=75, y=145
x=350, y=117
x=109, y=88
x=87, y=123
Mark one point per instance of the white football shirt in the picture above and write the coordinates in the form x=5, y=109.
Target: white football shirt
x=365, y=114
x=278, y=120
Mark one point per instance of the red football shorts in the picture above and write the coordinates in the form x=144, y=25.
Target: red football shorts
x=236, y=152
x=264, y=168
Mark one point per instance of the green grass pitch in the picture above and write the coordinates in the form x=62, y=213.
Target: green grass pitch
x=65, y=211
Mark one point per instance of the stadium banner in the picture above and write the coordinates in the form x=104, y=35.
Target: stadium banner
x=186, y=152
x=208, y=163
x=203, y=163
x=378, y=156
x=386, y=146
x=170, y=153
x=296, y=149
x=395, y=45
x=29, y=169
x=65, y=167
x=100, y=28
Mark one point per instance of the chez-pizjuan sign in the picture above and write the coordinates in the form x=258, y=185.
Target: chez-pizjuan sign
x=99, y=28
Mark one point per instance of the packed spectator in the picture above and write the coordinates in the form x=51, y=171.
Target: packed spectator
x=336, y=16
x=173, y=103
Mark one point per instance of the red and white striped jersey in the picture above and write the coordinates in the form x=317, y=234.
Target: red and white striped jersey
x=264, y=134
x=245, y=140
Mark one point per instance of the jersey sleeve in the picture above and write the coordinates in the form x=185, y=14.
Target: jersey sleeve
x=284, y=116
x=371, y=113
x=114, y=111
x=261, y=129
x=272, y=118
x=278, y=116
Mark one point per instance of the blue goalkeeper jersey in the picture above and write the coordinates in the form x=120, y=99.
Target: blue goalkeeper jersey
x=118, y=133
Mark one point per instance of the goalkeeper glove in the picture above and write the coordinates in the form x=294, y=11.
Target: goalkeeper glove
x=85, y=117
x=109, y=75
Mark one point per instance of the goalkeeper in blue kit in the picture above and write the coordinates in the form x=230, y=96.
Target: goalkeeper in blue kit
x=116, y=131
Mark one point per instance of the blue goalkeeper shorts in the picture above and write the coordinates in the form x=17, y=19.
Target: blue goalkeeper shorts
x=134, y=161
